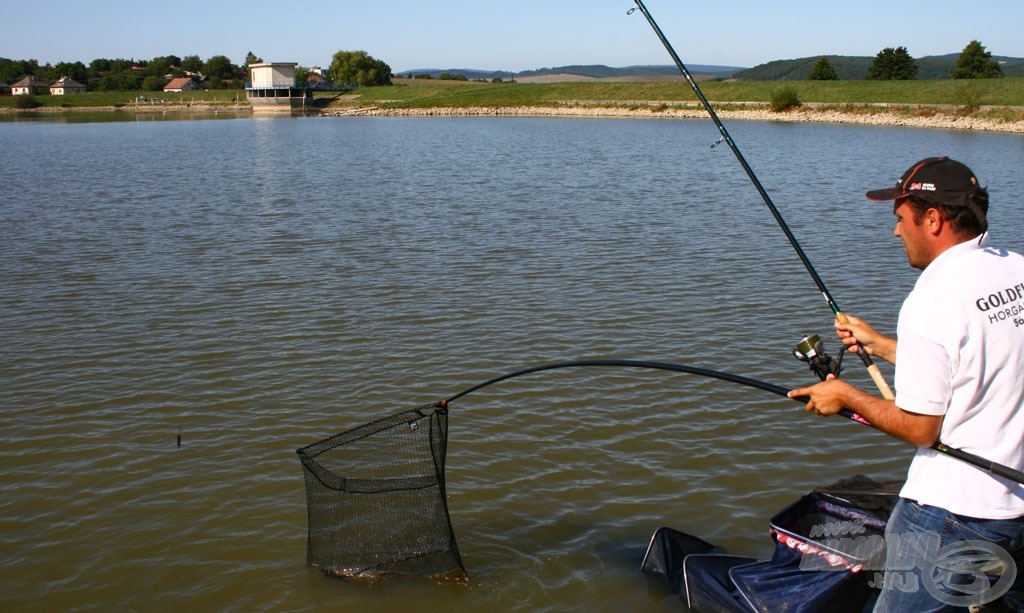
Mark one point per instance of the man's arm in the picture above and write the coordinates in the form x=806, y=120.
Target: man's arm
x=832, y=395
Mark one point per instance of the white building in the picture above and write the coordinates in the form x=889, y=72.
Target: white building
x=273, y=87
x=180, y=84
x=272, y=74
x=66, y=85
x=29, y=86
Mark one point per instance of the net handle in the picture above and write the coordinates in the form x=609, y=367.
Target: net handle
x=964, y=456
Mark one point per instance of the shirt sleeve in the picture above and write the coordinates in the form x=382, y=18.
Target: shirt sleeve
x=922, y=374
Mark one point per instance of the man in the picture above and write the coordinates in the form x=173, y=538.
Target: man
x=959, y=378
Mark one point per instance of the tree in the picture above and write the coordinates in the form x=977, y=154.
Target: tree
x=893, y=64
x=74, y=70
x=219, y=67
x=976, y=63
x=12, y=70
x=192, y=63
x=114, y=81
x=250, y=59
x=109, y=75
x=163, y=66
x=120, y=65
x=359, y=67
x=153, y=83
x=98, y=66
x=823, y=71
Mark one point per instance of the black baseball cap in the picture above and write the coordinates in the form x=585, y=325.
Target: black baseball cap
x=939, y=180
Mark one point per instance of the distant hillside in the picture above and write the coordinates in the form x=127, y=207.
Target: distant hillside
x=849, y=68
x=591, y=72
x=854, y=67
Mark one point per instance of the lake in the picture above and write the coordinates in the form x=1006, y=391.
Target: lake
x=186, y=303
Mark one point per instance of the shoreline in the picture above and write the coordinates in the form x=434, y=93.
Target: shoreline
x=913, y=117
x=929, y=118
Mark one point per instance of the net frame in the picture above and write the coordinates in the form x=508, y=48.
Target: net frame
x=376, y=499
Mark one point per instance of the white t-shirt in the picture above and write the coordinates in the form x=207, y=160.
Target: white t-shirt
x=960, y=353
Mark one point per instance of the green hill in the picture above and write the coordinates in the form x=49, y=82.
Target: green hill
x=592, y=71
x=851, y=68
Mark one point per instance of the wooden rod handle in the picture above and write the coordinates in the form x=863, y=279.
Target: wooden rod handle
x=876, y=375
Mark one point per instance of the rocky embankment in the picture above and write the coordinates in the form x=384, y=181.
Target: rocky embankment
x=947, y=118
x=920, y=118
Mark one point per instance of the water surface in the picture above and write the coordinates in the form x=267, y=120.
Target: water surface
x=254, y=285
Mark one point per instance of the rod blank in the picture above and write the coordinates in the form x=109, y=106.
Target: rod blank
x=873, y=370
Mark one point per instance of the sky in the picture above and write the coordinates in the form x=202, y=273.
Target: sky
x=513, y=35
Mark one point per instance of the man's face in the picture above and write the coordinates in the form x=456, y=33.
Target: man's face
x=913, y=234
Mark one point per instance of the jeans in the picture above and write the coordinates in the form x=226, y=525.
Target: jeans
x=938, y=561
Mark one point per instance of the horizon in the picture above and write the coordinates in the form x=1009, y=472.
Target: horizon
x=408, y=35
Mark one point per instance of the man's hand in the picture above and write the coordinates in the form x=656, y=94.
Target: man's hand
x=825, y=398
x=857, y=335
x=832, y=395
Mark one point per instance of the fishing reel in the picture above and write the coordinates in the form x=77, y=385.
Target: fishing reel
x=811, y=351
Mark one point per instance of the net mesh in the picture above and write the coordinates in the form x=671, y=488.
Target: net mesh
x=376, y=499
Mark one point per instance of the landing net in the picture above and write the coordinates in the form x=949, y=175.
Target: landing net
x=375, y=497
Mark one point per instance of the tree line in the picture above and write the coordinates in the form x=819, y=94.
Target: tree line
x=102, y=74
x=895, y=63
x=216, y=72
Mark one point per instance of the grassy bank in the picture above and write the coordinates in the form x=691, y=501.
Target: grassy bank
x=133, y=99
x=999, y=101
x=426, y=93
x=991, y=105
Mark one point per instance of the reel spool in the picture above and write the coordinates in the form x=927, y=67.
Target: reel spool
x=811, y=351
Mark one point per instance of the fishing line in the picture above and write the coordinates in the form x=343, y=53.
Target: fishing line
x=974, y=460
x=872, y=368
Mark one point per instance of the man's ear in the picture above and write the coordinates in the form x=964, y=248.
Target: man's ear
x=935, y=221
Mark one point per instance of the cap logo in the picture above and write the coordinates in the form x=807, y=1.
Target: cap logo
x=921, y=187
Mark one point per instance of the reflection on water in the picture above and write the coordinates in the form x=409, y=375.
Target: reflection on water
x=253, y=286
x=112, y=116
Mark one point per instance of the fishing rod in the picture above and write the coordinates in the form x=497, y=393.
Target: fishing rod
x=964, y=456
x=872, y=368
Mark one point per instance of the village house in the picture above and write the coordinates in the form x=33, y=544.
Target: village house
x=316, y=78
x=66, y=85
x=5, y=89
x=180, y=84
x=30, y=86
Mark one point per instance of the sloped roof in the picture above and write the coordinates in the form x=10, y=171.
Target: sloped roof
x=30, y=81
x=68, y=82
x=177, y=83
